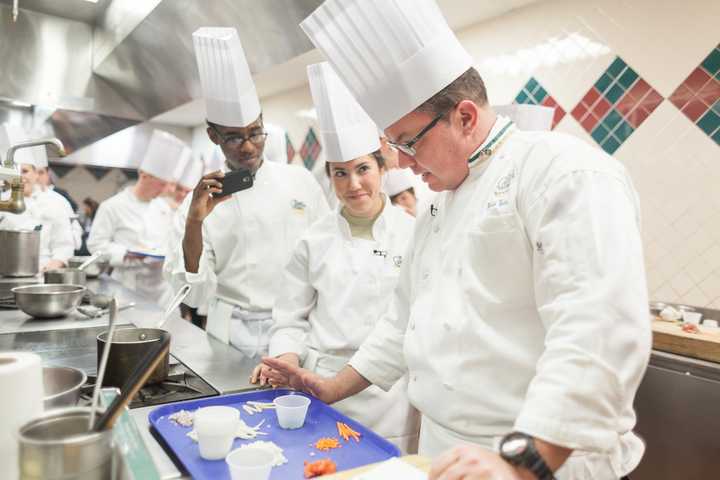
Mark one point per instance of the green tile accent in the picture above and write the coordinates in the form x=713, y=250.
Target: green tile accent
x=716, y=107
x=628, y=78
x=709, y=122
x=540, y=94
x=599, y=133
x=623, y=131
x=610, y=145
x=521, y=97
x=531, y=84
x=712, y=62
x=716, y=137
x=611, y=119
x=614, y=94
x=603, y=83
x=616, y=67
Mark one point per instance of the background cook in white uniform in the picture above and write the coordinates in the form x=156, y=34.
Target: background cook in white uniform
x=238, y=245
x=337, y=284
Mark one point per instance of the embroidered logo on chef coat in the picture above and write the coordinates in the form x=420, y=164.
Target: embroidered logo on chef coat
x=298, y=205
x=502, y=187
x=397, y=260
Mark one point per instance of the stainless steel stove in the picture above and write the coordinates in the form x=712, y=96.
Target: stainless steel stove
x=181, y=384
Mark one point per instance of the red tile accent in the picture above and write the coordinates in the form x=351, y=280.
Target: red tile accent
x=697, y=79
x=651, y=101
x=626, y=104
x=637, y=117
x=601, y=108
x=549, y=101
x=710, y=92
x=589, y=123
x=694, y=109
x=579, y=112
x=681, y=96
x=559, y=114
x=639, y=90
x=590, y=97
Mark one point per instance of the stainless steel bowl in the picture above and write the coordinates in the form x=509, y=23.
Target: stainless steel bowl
x=69, y=276
x=48, y=301
x=93, y=270
x=62, y=386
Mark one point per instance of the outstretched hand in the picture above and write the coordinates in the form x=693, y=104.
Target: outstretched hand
x=284, y=372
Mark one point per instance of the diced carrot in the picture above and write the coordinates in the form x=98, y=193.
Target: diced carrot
x=319, y=467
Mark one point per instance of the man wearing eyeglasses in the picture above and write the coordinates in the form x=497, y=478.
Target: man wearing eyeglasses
x=235, y=246
x=520, y=315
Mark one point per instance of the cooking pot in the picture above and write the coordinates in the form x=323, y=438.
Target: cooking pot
x=69, y=276
x=20, y=253
x=129, y=346
x=94, y=269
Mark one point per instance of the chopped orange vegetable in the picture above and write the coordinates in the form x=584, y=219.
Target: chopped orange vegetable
x=346, y=432
x=326, y=444
x=319, y=467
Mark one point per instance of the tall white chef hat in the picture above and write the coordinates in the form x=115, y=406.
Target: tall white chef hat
x=228, y=88
x=398, y=180
x=162, y=155
x=185, y=157
x=393, y=55
x=214, y=161
x=12, y=134
x=346, y=130
x=528, y=117
x=192, y=173
x=276, y=144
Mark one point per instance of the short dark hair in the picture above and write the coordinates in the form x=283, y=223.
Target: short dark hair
x=468, y=86
x=376, y=155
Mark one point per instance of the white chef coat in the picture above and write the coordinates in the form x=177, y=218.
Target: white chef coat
x=120, y=225
x=523, y=306
x=64, y=206
x=335, y=289
x=56, y=239
x=247, y=241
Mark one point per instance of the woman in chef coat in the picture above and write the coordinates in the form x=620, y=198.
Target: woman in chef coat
x=343, y=270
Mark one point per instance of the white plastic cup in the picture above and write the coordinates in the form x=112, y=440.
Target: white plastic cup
x=710, y=323
x=216, y=428
x=691, y=317
x=250, y=463
x=291, y=410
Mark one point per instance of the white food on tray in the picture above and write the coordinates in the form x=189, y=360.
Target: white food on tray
x=270, y=447
x=244, y=431
x=183, y=417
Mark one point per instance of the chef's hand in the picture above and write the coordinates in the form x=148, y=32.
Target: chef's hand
x=300, y=379
x=470, y=462
x=260, y=374
x=53, y=264
x=203, y=202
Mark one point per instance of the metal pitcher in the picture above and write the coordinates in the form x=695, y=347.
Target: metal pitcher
x=20, y=253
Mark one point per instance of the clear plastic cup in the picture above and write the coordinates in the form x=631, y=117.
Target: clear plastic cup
x=216, y=428
x=250, y=463
x=291, y=410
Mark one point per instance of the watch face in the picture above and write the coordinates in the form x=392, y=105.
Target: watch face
x=514, y=446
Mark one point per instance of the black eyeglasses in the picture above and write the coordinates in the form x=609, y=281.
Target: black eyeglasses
x=408, y=148
x=239, y=140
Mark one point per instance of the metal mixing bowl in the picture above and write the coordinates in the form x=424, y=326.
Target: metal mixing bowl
x=94, y=269
x=48, y=301
x=62, y=386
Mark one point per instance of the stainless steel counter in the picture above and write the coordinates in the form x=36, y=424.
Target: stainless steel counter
x=71, y=341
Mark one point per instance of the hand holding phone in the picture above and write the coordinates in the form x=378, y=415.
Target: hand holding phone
x=235, y=181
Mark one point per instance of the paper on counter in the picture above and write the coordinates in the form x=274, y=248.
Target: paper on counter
x=392, y=470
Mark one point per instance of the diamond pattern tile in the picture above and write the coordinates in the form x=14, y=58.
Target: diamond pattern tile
x=290, y=149
x=616, y=105
x=698, y=97
x=310, y=150
x=534, y=94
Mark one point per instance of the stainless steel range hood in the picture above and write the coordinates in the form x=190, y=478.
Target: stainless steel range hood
x=84, y=81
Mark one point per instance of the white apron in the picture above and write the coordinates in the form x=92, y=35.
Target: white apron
x=244, y=330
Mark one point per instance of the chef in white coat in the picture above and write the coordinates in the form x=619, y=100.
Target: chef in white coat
x=121, y=230
x=342, y=273
x=56, y=239
x=521, y=311
x=235, y=247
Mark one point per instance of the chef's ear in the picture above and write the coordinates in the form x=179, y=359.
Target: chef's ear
x=468, y=113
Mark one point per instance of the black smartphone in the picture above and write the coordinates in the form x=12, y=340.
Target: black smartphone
x=235, y=181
